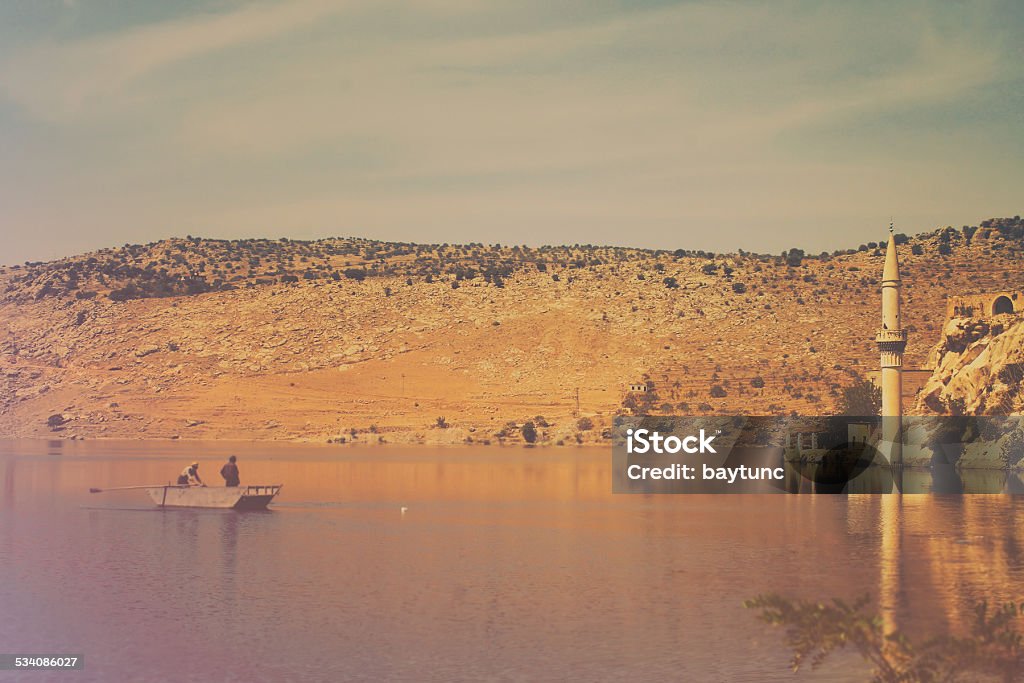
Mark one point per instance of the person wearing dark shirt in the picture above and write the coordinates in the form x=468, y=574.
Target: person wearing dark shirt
x=230, y=472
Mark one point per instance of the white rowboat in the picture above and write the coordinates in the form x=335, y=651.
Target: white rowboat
x=236, y=497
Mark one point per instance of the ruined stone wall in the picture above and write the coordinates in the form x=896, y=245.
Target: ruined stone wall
x=984, y=305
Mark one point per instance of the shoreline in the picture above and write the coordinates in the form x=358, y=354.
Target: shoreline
x=11, y=446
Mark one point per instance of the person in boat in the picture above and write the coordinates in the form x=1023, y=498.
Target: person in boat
x=190, y=476
x=230, y=472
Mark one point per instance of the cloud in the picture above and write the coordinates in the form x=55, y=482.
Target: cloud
x=546, y=121
x=570, y=98
x=678, y=57
x=59, y=81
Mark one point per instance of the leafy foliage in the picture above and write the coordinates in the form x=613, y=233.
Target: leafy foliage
x=814, y=630
x=862, y=397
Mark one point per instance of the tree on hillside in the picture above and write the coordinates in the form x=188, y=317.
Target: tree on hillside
x=861, y=398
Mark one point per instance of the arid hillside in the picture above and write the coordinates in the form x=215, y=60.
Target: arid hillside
x=354, y=340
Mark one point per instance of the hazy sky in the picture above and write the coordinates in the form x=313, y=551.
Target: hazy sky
x=716, y=125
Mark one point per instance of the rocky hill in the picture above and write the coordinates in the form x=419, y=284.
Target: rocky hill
x=979, y=368
x=354, y=340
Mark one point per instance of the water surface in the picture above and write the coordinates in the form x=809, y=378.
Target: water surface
x=508, y=565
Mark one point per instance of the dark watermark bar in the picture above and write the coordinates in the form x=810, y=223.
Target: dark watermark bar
x=821, y=454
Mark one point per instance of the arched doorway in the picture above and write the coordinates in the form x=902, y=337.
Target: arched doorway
x=1001, y=305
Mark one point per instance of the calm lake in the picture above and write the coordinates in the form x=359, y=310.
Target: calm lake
x=508, y=564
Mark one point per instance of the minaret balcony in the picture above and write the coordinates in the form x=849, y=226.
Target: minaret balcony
x=889, y=336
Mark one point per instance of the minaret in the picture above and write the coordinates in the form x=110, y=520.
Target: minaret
x=892, y=340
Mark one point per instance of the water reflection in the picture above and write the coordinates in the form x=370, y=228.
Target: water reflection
x=9, y=467
x=229, y=556
x=938, y=555
x=937, y=479
x=890, y=559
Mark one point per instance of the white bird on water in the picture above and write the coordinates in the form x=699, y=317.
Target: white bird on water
x=404, y=510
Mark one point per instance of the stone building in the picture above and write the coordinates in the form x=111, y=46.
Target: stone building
x=984, y=305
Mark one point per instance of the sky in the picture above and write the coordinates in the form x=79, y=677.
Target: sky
x=694, y=125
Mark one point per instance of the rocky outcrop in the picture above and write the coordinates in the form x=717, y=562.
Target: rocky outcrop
x=979, y=368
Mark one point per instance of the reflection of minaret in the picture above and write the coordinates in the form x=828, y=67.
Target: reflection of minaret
x=892, y=340
x=890, y=559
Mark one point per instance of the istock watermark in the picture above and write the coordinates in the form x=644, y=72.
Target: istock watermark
x=818, y=454
x=645, y=441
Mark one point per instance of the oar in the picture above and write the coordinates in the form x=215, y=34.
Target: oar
x=129, y=488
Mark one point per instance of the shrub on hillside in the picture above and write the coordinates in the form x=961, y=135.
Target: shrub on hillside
x=529, y=432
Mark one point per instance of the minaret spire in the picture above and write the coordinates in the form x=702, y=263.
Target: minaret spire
x=892, y=341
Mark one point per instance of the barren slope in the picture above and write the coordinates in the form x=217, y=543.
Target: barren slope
x=481, y=336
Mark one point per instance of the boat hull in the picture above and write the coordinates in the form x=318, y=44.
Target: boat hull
x=225, y=498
